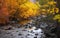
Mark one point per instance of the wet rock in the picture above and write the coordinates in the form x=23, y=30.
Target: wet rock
x=19, y=34
x=35, y=37
x=36, y=34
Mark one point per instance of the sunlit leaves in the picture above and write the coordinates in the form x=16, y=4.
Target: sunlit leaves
x=52, y=3
x=57, y=17
x=21, y=1
x=49, y=7
x=28, y=9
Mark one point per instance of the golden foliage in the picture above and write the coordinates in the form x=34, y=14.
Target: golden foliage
x=51, y=2
x=57, y=17
x=9, y=7
x=21, y=1
x=49, y=7
x=28, y=9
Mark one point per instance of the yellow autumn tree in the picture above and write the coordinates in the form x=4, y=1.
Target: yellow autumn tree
x=26, y=9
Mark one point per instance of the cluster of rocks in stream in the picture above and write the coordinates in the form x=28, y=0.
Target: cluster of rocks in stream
x=22, y=33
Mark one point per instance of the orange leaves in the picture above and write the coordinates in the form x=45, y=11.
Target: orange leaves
x=12, y=5
x=11, y=2
x=4, y=9
x=8, y=6
x=25, y=9
x=21, y=1
x=3, y=12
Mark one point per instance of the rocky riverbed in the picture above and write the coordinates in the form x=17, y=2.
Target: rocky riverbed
x=13, y=32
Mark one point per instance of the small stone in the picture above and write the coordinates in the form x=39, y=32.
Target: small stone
x=28, y=34
x=11, y=34
x=41, y=32
x=35, y=37
x=19, y=34
x=16, y=31
x=24, y=30
x=8, y=32
x=36, y=34
x=22, y=37
x=8, y=28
